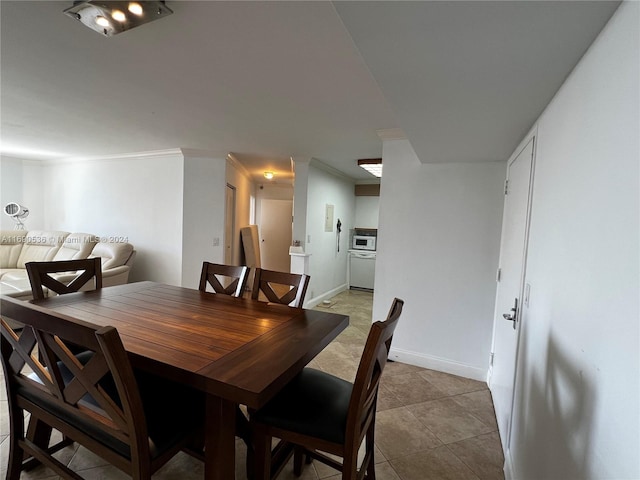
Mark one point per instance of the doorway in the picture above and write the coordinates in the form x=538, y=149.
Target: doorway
x=275, y=228
x=510, y=290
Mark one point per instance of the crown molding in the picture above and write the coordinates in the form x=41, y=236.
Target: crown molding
x=231, y=159
x=391, y=134
x=120, y=156
x=195, y=152
x=21, y=160
x=300, y=159
x=329, y=169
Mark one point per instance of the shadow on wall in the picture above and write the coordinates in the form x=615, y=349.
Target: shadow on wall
x=556, y=431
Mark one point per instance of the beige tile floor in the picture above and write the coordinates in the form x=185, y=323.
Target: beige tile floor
x=430, y=425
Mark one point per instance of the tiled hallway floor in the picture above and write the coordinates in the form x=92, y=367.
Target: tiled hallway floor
x=430, y=425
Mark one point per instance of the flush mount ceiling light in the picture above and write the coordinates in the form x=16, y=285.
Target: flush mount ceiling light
x=268, y=175
x=110, y=18
x=372, y=165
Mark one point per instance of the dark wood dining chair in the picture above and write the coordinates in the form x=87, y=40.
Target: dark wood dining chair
x=280, y=287
x=225, y=279
x=135, y=421
x=235, y=278
x=318, y=413
x=71, y=276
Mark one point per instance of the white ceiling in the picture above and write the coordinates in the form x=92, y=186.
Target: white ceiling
x=271, y=80
x=466, y=80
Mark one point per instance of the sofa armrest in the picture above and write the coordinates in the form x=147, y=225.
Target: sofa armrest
x=115, y=276
x=112, y=272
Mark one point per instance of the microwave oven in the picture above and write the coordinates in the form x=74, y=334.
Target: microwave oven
x=363, y=242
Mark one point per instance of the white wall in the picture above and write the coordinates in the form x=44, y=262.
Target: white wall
x=21, y=182
x=276, y=191
x=245, y=189
x=267, y=191
x=33, y=193
x=10, y=188
x=577, y=403
x=169, y=205
x=438, y=244
x=300, y=193
x=203, y=214
x=367, y=211
x=327, y=266
x=137, y=197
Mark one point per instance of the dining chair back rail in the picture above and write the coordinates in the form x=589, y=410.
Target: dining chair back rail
x=234, y=278
x=90, y=268
x=280, y=287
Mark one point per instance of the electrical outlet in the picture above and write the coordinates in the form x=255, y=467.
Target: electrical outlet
x=216, y=241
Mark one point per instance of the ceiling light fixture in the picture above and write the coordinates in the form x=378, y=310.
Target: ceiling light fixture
x=112, y=17
x=268, y=175
x=118, y=16
x=372, y=165
x=103, y=22
x=135, y=8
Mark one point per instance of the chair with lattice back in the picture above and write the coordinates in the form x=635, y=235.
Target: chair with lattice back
x=280, y=287
x=70, y=276
x=224, y=279
x=318, y=413
x=228, y=280
x=135, y=421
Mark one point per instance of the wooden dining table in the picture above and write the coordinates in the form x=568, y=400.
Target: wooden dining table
x=237, y=351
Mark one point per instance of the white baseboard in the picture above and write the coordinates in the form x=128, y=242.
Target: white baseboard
x=325, y=296
x=440, y=364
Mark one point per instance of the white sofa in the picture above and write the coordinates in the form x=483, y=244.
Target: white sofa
x=18, y=247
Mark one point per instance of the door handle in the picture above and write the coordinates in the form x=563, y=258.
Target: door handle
x=512, y=316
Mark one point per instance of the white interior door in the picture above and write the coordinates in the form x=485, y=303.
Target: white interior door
x=275, y=234
x=513, y=250
x=229, y=224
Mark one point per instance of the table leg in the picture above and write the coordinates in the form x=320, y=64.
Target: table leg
x=220, y=444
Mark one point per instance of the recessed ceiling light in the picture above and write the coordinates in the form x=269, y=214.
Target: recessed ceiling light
x=118, y=16
x=268, y=175
x=103, y=22
x=135, y=8
x=372, y=165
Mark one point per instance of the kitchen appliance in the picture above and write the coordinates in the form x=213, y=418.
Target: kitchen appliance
x=362, y=269
x=363, y=242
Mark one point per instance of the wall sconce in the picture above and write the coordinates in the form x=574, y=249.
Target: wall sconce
x=268, y=175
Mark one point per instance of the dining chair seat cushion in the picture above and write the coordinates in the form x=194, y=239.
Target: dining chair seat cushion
x=314, y=403
x=170, y=410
